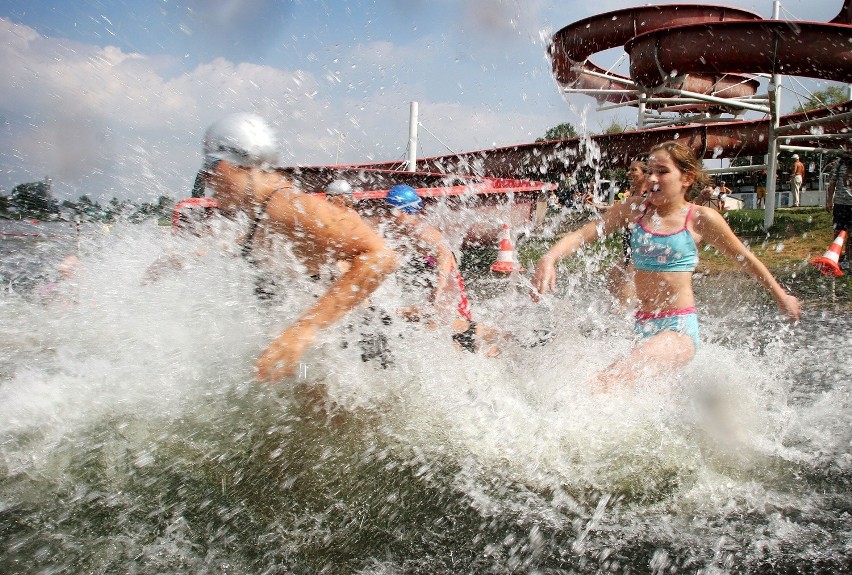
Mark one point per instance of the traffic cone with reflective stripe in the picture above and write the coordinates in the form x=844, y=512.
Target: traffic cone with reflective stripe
x=506, y=261
x=829, y=262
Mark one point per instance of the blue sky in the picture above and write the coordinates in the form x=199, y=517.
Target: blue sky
x=110, y=98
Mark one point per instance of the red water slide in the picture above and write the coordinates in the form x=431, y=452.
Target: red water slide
x=572, y=46
x=810, y=49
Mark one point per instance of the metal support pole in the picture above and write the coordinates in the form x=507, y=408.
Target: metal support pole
x=736, y=169
x=772, y=160
x=412, y=138
x=729, y=102
x=821, y=179
x=807, y=124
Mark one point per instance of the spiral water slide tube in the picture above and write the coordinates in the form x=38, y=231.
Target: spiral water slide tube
x=695, y=48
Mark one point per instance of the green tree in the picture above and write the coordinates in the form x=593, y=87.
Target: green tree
x=616, y=127
x=560, y=132
x=68, y=205
x=33, y=199
x=823, y=98
x=86, y=207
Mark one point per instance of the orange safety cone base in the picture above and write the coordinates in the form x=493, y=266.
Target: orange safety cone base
x=505, y=263
x=827, y=266
x=506, y=267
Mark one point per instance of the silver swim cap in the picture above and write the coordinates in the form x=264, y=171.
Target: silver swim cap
x=339, y=188
x=242, y=139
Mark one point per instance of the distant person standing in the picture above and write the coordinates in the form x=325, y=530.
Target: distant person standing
x=724, y=192
x=760, y=190
x=636, y=178
x=340, y=192
x=704, y=196
x=797, y=176
x=708, y=196
x=839, y=201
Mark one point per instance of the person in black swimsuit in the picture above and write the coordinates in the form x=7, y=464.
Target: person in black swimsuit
x=240, y=151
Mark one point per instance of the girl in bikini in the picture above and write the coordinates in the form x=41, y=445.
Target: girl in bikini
x=666, y=230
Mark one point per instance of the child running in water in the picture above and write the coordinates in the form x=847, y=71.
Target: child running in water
x=428, y=266
x=666, y=230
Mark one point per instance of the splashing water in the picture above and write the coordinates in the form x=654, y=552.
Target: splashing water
x=135, y=439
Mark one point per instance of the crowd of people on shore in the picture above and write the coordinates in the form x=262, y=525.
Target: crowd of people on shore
x=661, y=228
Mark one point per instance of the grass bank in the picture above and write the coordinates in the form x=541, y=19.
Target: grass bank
x=797, y=236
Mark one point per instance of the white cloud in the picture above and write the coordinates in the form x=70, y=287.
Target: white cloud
x=106, y=122
x=90, y=116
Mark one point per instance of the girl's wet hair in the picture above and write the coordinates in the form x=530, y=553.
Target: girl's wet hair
x=685, y=160
x=643, y=165
x=641, y=160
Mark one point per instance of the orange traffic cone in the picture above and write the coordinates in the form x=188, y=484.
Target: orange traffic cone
x=829, y=262
x=506, y=262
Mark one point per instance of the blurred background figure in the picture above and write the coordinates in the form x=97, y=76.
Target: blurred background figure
x=839, y=203
x=620, y=276
x=340, y=192
x=62, y=290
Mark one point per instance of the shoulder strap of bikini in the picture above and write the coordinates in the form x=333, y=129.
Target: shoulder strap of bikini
x=689, y=211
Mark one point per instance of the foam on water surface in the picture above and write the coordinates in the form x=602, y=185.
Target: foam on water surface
x=132, y=432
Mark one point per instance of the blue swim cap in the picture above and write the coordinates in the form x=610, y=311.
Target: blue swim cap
x=405, y=198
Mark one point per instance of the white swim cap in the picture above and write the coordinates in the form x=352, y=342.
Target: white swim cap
x=339, y=188
x=243, y=139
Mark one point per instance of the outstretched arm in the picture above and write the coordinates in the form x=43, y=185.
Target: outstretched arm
x=714, y=230
x=345, y=236
x=614, y=219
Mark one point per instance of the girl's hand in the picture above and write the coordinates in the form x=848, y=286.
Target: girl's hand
x=544, y=279
x=790, y=306
x=282, y=356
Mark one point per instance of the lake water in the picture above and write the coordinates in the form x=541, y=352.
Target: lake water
x=133, y=438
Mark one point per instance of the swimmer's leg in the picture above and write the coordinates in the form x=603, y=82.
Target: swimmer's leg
x=464, y=335
x=650, y=357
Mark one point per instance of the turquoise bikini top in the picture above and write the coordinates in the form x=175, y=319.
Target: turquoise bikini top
x=675, y=252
